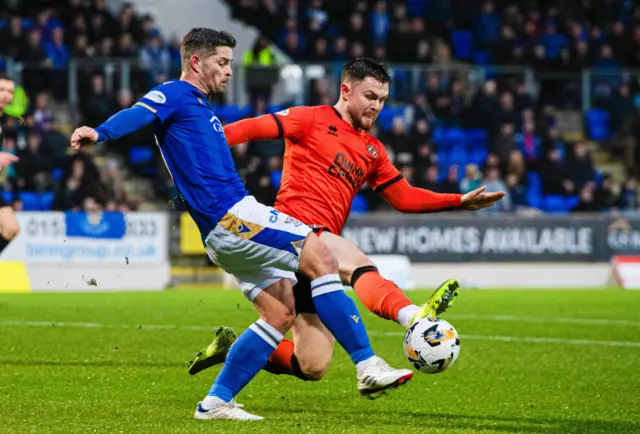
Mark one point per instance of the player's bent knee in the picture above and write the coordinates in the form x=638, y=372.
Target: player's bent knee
x=314, y=370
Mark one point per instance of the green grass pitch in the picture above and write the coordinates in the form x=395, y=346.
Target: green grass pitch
x=531, y=361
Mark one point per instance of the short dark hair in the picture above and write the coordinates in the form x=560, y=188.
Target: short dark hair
x=204, y=39
x=363, y=67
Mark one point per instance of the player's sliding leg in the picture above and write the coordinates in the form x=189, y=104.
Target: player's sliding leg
x=249, y=353
x=381, y=296
x=8, y=225
x=307, y=356
x=340, y=315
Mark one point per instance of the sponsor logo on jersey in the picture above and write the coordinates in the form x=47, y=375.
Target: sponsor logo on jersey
x=283, y=112
x=348, y=170
x=333, y=131
x=156, y=96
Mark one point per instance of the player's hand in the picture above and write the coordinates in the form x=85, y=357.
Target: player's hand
x=6, y=159
x=83, y=136
x=478, y=199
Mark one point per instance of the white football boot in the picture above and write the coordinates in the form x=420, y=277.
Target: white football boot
x=223, y=410
x=378, y=377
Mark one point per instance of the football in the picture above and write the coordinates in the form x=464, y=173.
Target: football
x=431, y=345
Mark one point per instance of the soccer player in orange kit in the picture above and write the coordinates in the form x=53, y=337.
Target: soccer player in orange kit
x=329, y=156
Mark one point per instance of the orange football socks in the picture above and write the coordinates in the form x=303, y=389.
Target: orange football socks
x=380, y=296
x=284, y=362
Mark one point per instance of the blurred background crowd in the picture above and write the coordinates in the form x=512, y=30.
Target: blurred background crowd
x=536, y=98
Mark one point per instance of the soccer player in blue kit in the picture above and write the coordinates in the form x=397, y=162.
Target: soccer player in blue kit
x=256, y=243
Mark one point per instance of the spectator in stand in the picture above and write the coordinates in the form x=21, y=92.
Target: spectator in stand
x=451, y=184
x=34, y=167
x=126, y=48
x=493, y=183
x=504, y=142
x=96, y=105
x=628, y=198
x=380, y=23
x=555, y=177
x=155, y=60
x=579, y=166
x=43, y=114
x=12, y=37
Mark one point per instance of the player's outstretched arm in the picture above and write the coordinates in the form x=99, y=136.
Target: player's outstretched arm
x=121, y=124
x=263, y=127
x=409, y=199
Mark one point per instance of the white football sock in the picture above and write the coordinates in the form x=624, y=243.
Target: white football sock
x=210, y=402
x=406, y=314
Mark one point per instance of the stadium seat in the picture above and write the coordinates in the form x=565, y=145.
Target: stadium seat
x=477, y=138
x=140, y=155
x=46, y=200
x=458, y=156
x=275, y=108
x=7, y=196
x=572, y=202
x=359, y=204
x=598, y=124
x=30, y=201
x=481, y=58
x=462, y=41
x=438, y=135
x=554, y=203
x=534, y=199
x=57, y=174
x=385, y=119
x=478, y=156
x=276, y=179
x=455, y=138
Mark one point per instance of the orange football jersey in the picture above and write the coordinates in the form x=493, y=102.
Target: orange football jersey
x=326, y=162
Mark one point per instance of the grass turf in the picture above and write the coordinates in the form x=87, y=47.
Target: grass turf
x=81, y=363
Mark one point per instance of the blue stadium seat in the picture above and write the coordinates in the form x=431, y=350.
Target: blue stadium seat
x=276, y=179
x=534, y=199
x=438, y=135
x=27, y=23
x=554, y=203
x=385, y=119
x=244, y=112
x=46, y=200
x=462, y=41
x=443, y=160
x=572, y=202
x=458, y=156
x=477, y=138
x=598, y=124
x=30, y=201
x=455, y=138
x=359, y=204
x=140, y=155
x=57, y=174
x=275, y=108
x=534, y=182
x=478, y=156
x=7, y=196
x=481, y=58
x=2, y=23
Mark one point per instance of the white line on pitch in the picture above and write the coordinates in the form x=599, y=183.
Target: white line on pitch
x=537, y=319
x=373, y=333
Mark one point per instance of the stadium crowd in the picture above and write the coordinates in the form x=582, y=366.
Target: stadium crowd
x=442, y=132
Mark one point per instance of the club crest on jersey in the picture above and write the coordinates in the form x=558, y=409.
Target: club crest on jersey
x=372, y=151
x=156, y=96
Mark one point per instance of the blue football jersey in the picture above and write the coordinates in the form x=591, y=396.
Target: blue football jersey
x=195, y=151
